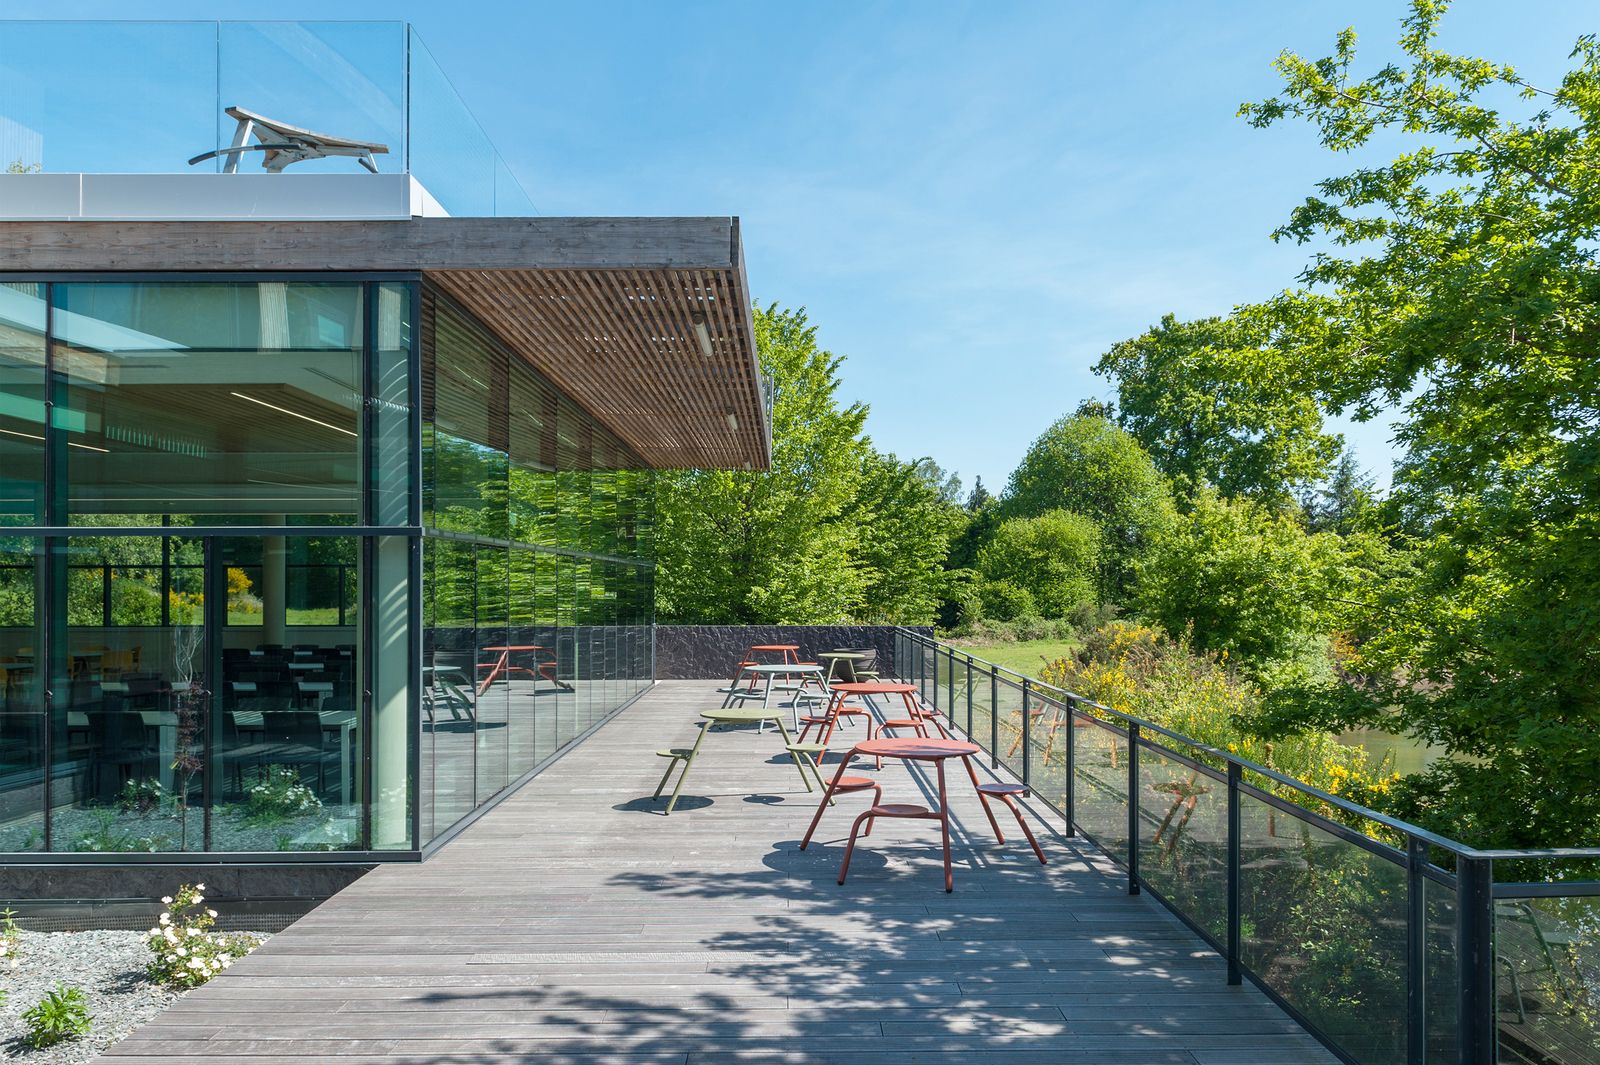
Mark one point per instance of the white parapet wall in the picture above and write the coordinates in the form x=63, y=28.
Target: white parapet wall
x=212, y=197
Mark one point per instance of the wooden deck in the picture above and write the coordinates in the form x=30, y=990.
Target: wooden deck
x=575, y=925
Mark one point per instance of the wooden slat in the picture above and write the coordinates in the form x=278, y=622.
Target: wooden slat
x=621, y=343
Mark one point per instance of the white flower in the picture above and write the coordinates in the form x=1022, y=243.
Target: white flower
x=225, y=965
x=155, y=931
x=199, y=899
x=199, y=887
x=211, y=913
x=224, y=958
x=196, y=963
x=182, y=951
x=166, y=900
x=166, y=918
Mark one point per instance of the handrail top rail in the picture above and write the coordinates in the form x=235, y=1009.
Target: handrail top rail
x=1405, y=827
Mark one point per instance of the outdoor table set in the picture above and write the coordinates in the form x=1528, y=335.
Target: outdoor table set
x=930, y=744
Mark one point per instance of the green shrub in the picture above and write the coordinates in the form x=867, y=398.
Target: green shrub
x=61, y=1015
x=278, y=796
x=1054, y=556
x=1004, y=601
x=187, y=951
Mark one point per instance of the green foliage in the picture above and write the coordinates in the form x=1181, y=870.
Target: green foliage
x=1460, y=280
x=832, y=531
x=1004, y=600
x=10, y=941
x=1140, y=670
x=187, y=951
x=1345, y=504
x=1089, y=466
x=1053, y=558
x=62, y=1014
x=278, y=796
x=1212, y=405
x=141, y=795
x=776, y=545
x=908, y=515
x=1250, y=582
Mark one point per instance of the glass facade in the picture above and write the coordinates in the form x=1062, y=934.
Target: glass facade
x=537, y=569
x=294, y=565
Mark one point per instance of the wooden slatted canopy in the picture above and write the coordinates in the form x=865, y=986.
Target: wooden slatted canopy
x=605, y=308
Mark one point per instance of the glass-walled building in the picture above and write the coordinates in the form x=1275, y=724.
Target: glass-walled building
x=306, y=563
x=325, y=488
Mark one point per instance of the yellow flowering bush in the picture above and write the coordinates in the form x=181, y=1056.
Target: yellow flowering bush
x=187, y=951
x=1139, y=670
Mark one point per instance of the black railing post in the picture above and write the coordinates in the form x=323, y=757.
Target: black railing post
x=1416, y=953
x=1235, y=977
x=969, y=696
x=1071, y=791
x=1027, y=711
x=994, y=718
x=1475, y=1012
x=950, y=686
x=1133, y=808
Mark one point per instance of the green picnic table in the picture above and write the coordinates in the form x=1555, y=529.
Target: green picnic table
x=731, y=715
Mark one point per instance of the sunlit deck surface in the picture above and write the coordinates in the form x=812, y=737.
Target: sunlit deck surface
x=576, y=924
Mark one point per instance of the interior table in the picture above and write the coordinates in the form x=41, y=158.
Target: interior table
x=913, y=749
x=737, y=715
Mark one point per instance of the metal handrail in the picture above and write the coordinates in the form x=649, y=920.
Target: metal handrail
x=1395, y=823
x=1471, y=881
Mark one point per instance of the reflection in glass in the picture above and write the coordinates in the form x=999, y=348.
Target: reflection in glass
x=210, y=399
x=22, y=367
x=22, y=720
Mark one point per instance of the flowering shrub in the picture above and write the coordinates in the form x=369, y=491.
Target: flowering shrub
x=141, y=796
x=187, y=952
x=1139, y=670
x=279, y=795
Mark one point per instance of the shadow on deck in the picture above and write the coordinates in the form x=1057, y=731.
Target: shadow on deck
x=576, y=924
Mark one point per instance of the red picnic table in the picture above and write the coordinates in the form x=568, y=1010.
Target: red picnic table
x=916, y=718
x=922, y=749
x=502, y=666
x=789, y=651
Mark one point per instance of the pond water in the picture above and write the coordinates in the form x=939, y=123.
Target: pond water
x=1409, y=755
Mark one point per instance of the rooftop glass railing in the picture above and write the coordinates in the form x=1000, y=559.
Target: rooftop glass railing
x=146, y=97
x=1390, y=943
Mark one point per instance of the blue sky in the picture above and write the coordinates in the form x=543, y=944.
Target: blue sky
x=972, y=200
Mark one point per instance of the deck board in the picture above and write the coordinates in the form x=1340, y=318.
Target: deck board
x=575, y=924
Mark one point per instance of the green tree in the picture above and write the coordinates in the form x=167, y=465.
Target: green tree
x=771, y=545
x=1249, y=581
x=979, y=497
x=1211, y=404
x=1052, y=557
x=1343, y=504
x=1089, y=466
x=1459, y=280
x=908, y=515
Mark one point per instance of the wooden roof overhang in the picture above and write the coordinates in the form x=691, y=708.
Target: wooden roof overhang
x=605, y=308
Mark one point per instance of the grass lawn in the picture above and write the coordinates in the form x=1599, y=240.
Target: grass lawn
x=1023, y=656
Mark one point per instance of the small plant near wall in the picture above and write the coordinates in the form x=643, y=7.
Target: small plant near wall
x=61, y=1015
x=141, y=796
x=278, y=796
x=10, y=941
x=187, y=951
x=107, y=837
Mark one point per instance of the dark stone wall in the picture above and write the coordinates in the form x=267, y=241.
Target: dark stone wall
x=707, y=652
x=22, y=885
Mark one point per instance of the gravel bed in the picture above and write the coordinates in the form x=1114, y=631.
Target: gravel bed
x=108, y=966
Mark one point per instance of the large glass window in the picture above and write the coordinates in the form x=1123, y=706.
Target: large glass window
x=210, y=399
x=22, y=372
x=206, y=690
x=532, y=634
